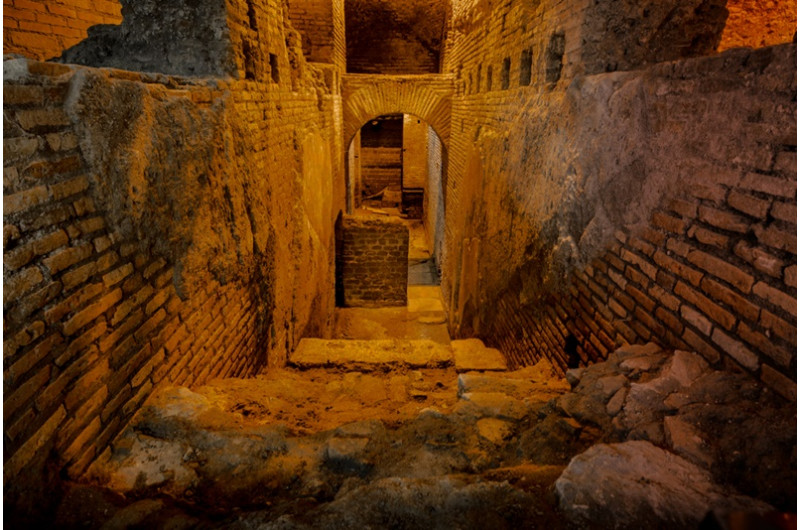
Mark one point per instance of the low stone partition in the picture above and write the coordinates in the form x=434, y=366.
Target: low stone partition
x=371, y=262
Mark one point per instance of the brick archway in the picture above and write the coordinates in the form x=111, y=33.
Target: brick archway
x=428, y=97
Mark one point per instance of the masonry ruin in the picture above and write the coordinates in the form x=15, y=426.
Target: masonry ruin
x=399, y=263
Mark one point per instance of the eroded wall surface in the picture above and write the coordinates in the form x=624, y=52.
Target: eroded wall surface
x=754, y=24
x=157, y=229
x=650, y=204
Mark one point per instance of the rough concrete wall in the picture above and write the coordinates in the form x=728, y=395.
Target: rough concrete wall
x=543, y=175
x=321, y=26
x=156, y=229
x=415, y=152
x=754, y=23
x=394, y=36
x=41, y=29
x=372, y=262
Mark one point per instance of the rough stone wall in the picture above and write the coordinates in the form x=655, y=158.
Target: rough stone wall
x=41, y=29
x=157, y=230
x=394, y=36
x=321, y=26
x=547, y=164
x=415, y=152
x=372, y=262
x=754, y=23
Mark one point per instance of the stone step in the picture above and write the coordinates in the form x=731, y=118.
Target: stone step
x=472, y=355
x=368, y=355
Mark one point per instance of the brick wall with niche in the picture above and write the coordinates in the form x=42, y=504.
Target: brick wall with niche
x=105, y=296
x=676, y=225
x=371, y=261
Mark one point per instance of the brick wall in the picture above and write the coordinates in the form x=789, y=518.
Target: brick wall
x=394, y=37
x=372, y=262
x=381, y=167
x=105, y=295
x=619, y=207
x=43, y=29
x=321, y=25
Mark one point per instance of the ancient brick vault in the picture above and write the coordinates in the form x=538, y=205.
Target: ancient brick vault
x=399, y=263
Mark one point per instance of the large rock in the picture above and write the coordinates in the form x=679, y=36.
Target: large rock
x=638, y=485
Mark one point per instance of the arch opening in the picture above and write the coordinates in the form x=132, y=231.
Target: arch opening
x=396, y=165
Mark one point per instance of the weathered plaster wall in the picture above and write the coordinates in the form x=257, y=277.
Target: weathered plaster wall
x=559, y=170
x=157, y=229
x=433, y=205
x=415, y=152
x=42, y=29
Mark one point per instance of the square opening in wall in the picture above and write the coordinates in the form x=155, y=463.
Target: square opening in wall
x=525, y=61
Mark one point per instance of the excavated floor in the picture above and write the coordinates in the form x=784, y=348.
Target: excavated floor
x=390, y=424
x=661, y=433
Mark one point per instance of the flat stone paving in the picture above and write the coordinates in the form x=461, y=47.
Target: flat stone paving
x=423, y=318
x=370, y=354
x=472, y=354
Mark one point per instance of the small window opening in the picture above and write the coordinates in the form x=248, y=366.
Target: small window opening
x=249, y=61
x=525, y=61
x=273, y=66
x=505, y=73
x=554, y=57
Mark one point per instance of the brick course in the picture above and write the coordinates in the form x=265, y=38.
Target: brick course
x=42, y=29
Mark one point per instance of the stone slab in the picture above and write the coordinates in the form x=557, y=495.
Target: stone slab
x=473, y=355
x=369, y=355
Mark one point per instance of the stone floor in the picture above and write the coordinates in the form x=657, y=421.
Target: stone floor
x=422, y=318
x=662, y=434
